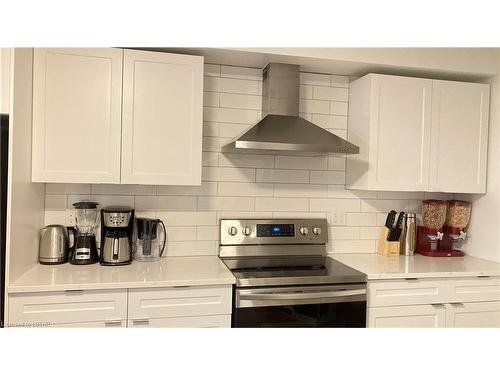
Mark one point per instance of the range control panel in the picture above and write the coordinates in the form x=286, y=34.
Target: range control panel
x=273, y=231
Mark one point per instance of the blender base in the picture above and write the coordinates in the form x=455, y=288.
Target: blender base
x=442, y=253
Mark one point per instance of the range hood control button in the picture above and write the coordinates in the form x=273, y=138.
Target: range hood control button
x=247, y=231
x=317, y=231
x=232, y=231
x=304, y=231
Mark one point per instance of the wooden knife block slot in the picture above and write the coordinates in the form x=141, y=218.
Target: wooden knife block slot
x=387, y=248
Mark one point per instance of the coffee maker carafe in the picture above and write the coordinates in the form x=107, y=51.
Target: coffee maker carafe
x=150, y=239
x=85, y=247
x=116, y=235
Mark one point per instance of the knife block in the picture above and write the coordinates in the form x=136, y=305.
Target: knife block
x=387, y=248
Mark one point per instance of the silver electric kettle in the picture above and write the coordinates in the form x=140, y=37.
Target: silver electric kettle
x=54, y=244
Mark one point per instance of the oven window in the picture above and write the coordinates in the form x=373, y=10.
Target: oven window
x=345, y=314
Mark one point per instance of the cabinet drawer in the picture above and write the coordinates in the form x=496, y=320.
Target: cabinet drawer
x=68, y=307
x=149, y=303
x=101, y=324
x=209, y=321
x=474, y=289
x=406, y=292
x=417, y=316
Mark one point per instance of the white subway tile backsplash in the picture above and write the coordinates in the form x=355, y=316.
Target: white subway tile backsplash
x=246, y=160
x=165, y=202
x=327, y=177
x=338, y=108
x=342, y=205
x=211, y=99
x=240, y=72
x=227, y=174
x=241, y=101
x=254, y=185
x=175, y=234
x=300, y=190
x=330, y=93
x=282, y=175
x=226, y=203
x=105, y=189
x=302, y=162
x=206, y=188
x=314, y=106
x=212, y=70
x=189, y=218
x=315, y=79
x=281, y=204
x=239, y=189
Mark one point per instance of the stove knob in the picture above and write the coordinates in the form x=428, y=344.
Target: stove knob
x=232, y=231
x=304, y=231
x=317, y=231
x=247, y=231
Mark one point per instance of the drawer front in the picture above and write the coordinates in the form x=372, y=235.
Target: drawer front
x=406, y=292
x=102, y=324
x=209, y=321
x=152, y=303
x=473, y=315
x=475, y=289
x=417, y=316
x=67, y=307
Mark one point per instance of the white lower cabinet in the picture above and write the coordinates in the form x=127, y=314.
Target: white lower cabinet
x=453, y=302
x=416, y=316
x=209, y=321
x=69, y=308
x=473, y=315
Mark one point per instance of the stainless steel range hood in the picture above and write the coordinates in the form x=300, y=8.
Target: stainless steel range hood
x=282, y=130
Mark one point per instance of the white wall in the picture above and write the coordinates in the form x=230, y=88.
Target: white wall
x=262, y=186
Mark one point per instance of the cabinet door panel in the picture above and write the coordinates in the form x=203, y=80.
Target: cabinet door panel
x=473, y=315
x=77, y=115
x=459, y=137
x=417, y=316
x=208, y=321
x=162, y=118
x=401, y=111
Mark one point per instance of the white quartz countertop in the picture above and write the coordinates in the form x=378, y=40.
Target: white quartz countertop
x=169, y=272
x=379, y=267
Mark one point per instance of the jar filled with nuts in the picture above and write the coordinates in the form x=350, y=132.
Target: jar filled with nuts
x=458, y=215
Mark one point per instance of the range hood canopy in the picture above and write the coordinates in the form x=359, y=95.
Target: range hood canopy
x=282, y=130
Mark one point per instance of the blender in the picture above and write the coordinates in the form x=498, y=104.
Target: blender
x=430, y=234
x=85, y=251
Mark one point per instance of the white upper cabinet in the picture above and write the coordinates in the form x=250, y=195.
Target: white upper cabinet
x=390, y=120
x=93, y=124
x=5, y=80
x=77, y=115
x=162, y=118
x=417, y=134
x=459, y=136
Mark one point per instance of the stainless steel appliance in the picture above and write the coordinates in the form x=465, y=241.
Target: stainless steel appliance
x=54, y=244
x=285, y=279
x=116, y=235
x=150, y=239
x=282, y=130
x=86, y=215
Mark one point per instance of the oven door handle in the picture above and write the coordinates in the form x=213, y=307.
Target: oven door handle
x=302, y=295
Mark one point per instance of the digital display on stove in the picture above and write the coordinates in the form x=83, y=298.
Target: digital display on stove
x=275, y=230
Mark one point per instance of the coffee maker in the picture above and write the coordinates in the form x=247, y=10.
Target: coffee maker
x=116, y=235
x=85, y=247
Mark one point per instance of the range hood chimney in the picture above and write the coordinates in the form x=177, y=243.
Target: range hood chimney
x=282, y=130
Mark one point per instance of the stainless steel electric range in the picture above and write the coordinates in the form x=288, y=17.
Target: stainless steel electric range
x=285, y=279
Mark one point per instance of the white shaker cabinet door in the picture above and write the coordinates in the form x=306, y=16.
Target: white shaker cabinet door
x=401, y=113
x=77, y=115
x=459, y=137
x=415, y=316
x=162, y=118
x=473, y=315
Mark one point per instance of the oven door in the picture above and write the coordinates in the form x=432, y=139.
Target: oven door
x=301, y=306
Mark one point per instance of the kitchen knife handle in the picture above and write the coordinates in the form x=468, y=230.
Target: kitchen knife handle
x=390, y=219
